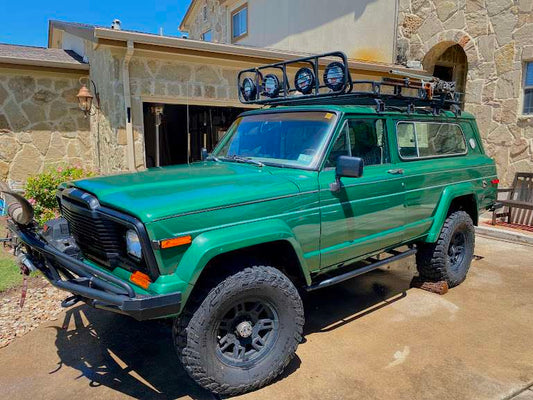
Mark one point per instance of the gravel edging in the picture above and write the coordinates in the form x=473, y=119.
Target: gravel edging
x=43, y=303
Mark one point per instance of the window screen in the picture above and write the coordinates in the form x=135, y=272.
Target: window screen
x=207, y=36
x=428, y=139
x=528, y=89
x=239, y=23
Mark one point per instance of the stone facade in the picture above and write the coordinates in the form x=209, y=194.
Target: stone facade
x=40, y=124
x=216, y=20
x=497, y=37
x=155, y=80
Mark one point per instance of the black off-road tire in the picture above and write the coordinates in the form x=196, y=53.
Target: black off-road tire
x=434, y=262
x=197, y=331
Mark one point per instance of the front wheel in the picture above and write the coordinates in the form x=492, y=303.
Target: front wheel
x=449, y=258
x=243, y=333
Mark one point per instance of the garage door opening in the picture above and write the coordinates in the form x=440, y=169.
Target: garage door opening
x=183, y=131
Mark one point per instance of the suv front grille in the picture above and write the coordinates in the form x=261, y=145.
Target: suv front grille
x=100, y=238
x=96, y=237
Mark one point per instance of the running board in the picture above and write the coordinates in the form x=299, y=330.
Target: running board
x=360, y=271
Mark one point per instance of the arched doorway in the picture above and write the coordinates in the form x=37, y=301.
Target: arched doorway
x=447, y=61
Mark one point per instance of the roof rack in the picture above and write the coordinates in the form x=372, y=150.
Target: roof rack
x=410, y=92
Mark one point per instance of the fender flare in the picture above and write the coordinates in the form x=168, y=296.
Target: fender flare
x=448, y=195
x=210, y=244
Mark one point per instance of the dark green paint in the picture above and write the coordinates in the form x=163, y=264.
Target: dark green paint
x=227, y=206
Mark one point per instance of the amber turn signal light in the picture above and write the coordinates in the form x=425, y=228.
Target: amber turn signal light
x=140, y=279
x=179, y=241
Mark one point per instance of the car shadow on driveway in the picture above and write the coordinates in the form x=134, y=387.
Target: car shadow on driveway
x=333, y=307
x=138, y=358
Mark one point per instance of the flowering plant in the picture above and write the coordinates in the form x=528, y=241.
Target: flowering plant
x=40, y=189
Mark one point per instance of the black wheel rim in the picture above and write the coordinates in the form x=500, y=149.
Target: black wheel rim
x=247, y=332
x=457, y=250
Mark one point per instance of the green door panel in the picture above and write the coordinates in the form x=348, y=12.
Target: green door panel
x=365, y=215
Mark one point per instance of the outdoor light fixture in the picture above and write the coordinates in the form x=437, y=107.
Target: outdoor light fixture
x=85, y=97
x=334, y=76
x=248, y=89
x=304, y=80
x=271, y=86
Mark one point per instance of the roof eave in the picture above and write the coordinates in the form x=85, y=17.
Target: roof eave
x=44, y=63
x=184, y=27
x=237, y=50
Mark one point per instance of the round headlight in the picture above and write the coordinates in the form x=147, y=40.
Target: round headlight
x=248, y=89
x=334, y=76
x=133, y=244
x=304, y=80
x=271, y=85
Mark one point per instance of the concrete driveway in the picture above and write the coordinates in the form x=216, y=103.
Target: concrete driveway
x=370, y=338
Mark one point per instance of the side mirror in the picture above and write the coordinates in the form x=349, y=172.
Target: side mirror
x=203, y=154
x=351, y=167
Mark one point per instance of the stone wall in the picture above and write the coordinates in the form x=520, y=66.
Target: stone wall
x=109, y=121
x=217, y=22
x=40, y=124
x=174, y=80
x=497, y=37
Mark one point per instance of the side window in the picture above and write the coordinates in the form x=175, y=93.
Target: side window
x=406, y=140
x=364, y=138
x=341, y=147
x=429, y=139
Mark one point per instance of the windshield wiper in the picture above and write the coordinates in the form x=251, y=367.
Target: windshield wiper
x=246, y=160
x=211, y=157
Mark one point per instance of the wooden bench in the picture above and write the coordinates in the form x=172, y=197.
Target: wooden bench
x=517, y=201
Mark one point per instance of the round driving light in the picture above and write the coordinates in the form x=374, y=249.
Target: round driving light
x=334, y=76
x=271, y=85
x=248, y=89
x=304, y=80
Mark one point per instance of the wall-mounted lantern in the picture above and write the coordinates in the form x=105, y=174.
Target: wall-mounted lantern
x=85, y=97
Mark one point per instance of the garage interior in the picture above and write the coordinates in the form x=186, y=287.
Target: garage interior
x=183, y=131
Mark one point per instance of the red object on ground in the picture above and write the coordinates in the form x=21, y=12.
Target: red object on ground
x=24, y=290
x=514, y=226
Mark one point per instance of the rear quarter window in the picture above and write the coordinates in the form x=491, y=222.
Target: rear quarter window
x=429, y=140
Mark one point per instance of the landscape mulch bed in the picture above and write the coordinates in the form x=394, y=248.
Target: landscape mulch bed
x=42, y=304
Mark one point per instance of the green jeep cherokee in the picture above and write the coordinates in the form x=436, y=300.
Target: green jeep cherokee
x=296, y=197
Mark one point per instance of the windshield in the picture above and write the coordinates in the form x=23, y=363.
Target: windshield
x=294, y=139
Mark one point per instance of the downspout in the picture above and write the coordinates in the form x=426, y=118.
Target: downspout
x=127, y=106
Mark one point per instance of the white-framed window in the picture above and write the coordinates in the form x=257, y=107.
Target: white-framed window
x=528, y=89
x=239, y=22
x=207, y=36
x=417, y=139
x=204, y=13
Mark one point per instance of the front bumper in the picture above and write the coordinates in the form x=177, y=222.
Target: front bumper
x=97, y=288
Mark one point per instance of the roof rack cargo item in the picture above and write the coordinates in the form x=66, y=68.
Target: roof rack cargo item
x=313, y=84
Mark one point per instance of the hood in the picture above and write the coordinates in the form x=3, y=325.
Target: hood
x=167, y=191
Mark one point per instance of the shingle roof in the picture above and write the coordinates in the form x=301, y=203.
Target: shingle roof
x=28, y=55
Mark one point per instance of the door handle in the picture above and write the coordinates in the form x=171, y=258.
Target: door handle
x=398, y=171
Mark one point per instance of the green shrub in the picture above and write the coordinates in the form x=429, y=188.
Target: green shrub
x=40, y=189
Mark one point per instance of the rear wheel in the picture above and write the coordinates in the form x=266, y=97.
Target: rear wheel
x=243, y=333
x=449, y=258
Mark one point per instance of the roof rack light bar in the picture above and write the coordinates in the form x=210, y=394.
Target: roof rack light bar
x=261, y=85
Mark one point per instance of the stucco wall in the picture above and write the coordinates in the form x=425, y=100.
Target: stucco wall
x=363, y=29
x=40, y=123
x=497, y=37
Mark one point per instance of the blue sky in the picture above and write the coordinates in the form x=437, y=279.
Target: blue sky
x=26, y=22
